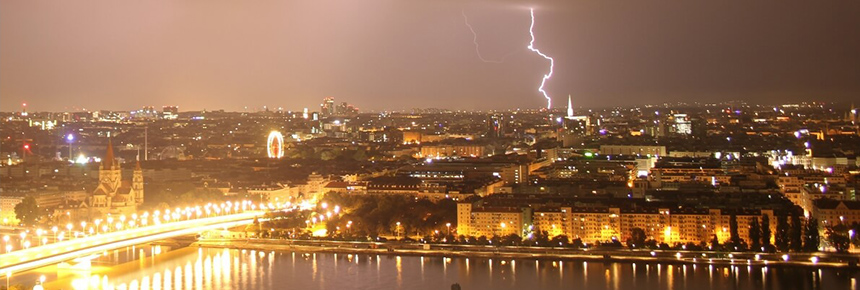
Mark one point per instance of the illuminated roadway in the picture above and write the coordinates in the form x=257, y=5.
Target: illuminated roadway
x=45, y=255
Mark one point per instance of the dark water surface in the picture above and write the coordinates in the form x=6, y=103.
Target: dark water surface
x=192, y=268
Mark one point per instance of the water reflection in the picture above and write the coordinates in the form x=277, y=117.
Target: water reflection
x=193, y=268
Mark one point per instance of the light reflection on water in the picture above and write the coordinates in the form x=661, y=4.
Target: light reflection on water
x=193, y=268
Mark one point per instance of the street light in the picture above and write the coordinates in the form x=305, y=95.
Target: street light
x=448, y=225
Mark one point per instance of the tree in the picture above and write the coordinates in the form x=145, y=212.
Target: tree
x=755, y=235
x=795, y=235
x=539, y=238
x=651, y=243
x=811, y=238
x=254, y=227
x=559, y=241
x=715, y=243
x=765, y=231
x=577, y=243
x=734, y=237
x=837, y=237
x=782, y=228
x=29, y=212
x=637, y=238
x=512, y=240
x=853, y=233
x=360, y=155
x=496, y=241
x=327, y=155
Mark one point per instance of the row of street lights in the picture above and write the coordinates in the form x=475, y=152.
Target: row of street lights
x=157, y=217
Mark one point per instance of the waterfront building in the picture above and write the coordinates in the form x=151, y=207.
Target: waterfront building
x=477, y=220
x=606, y=220
x=831, y=212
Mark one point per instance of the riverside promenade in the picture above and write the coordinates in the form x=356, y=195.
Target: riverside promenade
x=818, y=259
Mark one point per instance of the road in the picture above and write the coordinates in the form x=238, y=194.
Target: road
x=40, y=256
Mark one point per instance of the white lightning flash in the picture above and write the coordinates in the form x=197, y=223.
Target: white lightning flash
x=475, y=41
x=551, y=62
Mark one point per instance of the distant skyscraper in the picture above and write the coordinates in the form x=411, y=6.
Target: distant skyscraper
x=682, y=124
x=169, y=112
x=147, y=112
x=342, y=109
x=327, y=108
x=496, y=125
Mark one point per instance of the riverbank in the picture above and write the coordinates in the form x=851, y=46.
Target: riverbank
x=816, y=260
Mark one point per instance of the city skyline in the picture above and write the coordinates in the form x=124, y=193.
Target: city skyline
x=469, y=144
x=395, y=56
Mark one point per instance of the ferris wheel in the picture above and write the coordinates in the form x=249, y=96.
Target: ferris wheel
x=275, y=145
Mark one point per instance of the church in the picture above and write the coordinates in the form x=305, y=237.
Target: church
x=113, y=195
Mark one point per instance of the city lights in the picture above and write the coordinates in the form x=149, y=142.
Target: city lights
x=685, y=162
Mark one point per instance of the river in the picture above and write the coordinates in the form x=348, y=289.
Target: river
x=210, y=268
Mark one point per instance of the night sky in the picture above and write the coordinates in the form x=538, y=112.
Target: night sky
x=396, y=54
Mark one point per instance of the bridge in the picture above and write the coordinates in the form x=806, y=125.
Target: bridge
x=54, y=253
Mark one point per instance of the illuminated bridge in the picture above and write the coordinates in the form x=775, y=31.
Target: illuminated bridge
x=54, y=253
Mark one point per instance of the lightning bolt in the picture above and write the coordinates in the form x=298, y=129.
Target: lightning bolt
x=475, y=41
x=551, y=62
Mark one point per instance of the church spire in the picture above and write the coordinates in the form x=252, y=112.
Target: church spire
x=569, y=107
x=108, y=161
x=137, y=165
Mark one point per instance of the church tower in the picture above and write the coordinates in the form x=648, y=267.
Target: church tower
x=569, y=108
x=137, y=183
x=110, y=175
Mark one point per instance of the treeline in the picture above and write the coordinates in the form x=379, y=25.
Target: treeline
x=363, y=216
x=180, y=194
x=375, y=215
x=537, y=238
